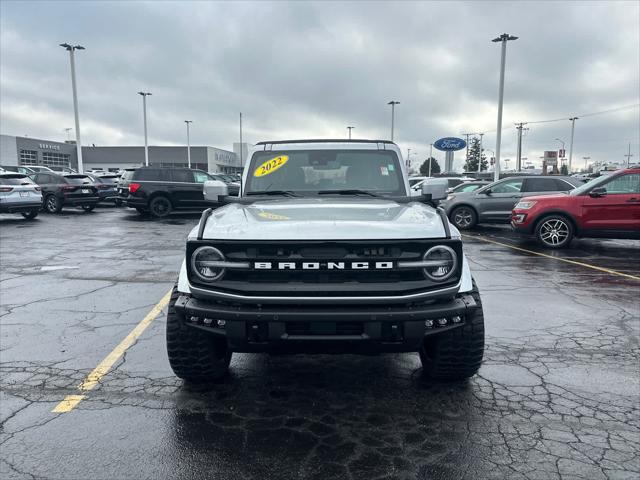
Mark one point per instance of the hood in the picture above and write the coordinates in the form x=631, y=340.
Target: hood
x=323, y=219
x=551, y=197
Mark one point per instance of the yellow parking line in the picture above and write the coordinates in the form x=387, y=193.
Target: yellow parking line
x=565, y=260
x=90, y=382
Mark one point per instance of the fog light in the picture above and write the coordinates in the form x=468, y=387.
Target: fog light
x=519, y=217
x=194, y=319
x=428, y=323
x=208, y=321
x=456, y=319
x=221, y=323
x=442, y=321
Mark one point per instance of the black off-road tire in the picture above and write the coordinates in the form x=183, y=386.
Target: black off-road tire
x=31, y=214
x=457, y=354
x=52, y=204
x=160, y=206
x=194, y=355
x=464, y=217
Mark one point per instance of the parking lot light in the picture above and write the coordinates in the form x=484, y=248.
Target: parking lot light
x=71, y=49
x=504, y=38
x=144, y=115
x=393, y=104
x=188, y=143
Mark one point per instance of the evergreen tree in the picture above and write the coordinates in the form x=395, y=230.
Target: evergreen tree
x=471, y=165
x=435, y=167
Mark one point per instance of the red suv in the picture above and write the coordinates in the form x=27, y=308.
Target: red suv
x=606, y=207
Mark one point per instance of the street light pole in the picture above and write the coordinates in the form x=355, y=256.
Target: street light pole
x=393, y=104
x=430, y=156
x=188, y=144
x=71, y=49
x=350, y=128
x=241, y=159
x=585, y=162
x=573, y=126
x=504, y=38
x=480, y=158
x=144, y=115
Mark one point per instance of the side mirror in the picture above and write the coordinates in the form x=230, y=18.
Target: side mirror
x=598, y=192
x=435, y=189
x=214, y=190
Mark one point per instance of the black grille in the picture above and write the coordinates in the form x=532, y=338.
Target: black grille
x=324, y=282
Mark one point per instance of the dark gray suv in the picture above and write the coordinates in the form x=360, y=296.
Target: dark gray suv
x=493, y=203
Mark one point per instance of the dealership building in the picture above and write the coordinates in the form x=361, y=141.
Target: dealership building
x=25, y=151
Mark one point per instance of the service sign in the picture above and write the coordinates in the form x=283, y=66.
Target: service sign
x=449, y=144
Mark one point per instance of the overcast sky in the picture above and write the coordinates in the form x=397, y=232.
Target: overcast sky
x=310, y=69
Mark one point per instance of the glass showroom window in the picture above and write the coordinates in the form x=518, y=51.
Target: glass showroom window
x=52, y=159
x=28, y=157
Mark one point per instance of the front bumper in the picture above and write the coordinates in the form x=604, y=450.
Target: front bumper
x=319, y=328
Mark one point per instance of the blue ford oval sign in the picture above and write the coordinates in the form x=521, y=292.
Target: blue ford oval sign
x=449, y=144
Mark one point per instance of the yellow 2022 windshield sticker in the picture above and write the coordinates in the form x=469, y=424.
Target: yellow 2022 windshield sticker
x=270, y=166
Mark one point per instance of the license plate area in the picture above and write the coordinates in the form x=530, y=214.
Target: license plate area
x=324, y=328
x=86, y=191
x=24, y=194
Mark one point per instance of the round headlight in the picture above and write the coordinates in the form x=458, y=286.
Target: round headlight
x=205, y=263
x=441, y=262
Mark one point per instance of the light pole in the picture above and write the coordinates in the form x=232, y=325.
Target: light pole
x=68, y=129
x=241, y=159
x=188, y=122
x=573, y=126
x=71, y=49
x=504, y=38
x=144, y=116
x=585, y=162
x=393, y=104
x=430, y=156
x=350, y=128
x=480, y=158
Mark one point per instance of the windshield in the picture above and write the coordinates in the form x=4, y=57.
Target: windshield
x=589, y=185
x=78, y=179
x=309, y=172
x=15, y=180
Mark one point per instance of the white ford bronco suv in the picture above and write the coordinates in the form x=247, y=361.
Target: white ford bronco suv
x=325, y=251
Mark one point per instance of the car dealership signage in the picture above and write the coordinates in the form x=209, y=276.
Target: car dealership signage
x=449, y=144
x=551, y=158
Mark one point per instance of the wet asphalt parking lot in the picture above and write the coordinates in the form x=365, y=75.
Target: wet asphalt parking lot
x=557, y=396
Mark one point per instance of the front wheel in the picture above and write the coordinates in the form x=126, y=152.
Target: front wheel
x=554, y=231
x=160, y=207
x=456, y=354
x=30, y=215
x=464, y=218
x=194, y=355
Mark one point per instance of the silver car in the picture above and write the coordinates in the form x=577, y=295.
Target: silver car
x=18, y=194
x=493, y=203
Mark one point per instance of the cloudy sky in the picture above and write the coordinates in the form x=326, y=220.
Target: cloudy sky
x=310, y=69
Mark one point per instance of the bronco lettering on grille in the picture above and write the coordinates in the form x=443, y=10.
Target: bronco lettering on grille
x=323, y=265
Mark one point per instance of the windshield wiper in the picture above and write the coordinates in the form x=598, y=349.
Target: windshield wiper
x=284, y=193
x=347, y=192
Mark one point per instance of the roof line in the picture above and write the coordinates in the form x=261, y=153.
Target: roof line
x=324, y=140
